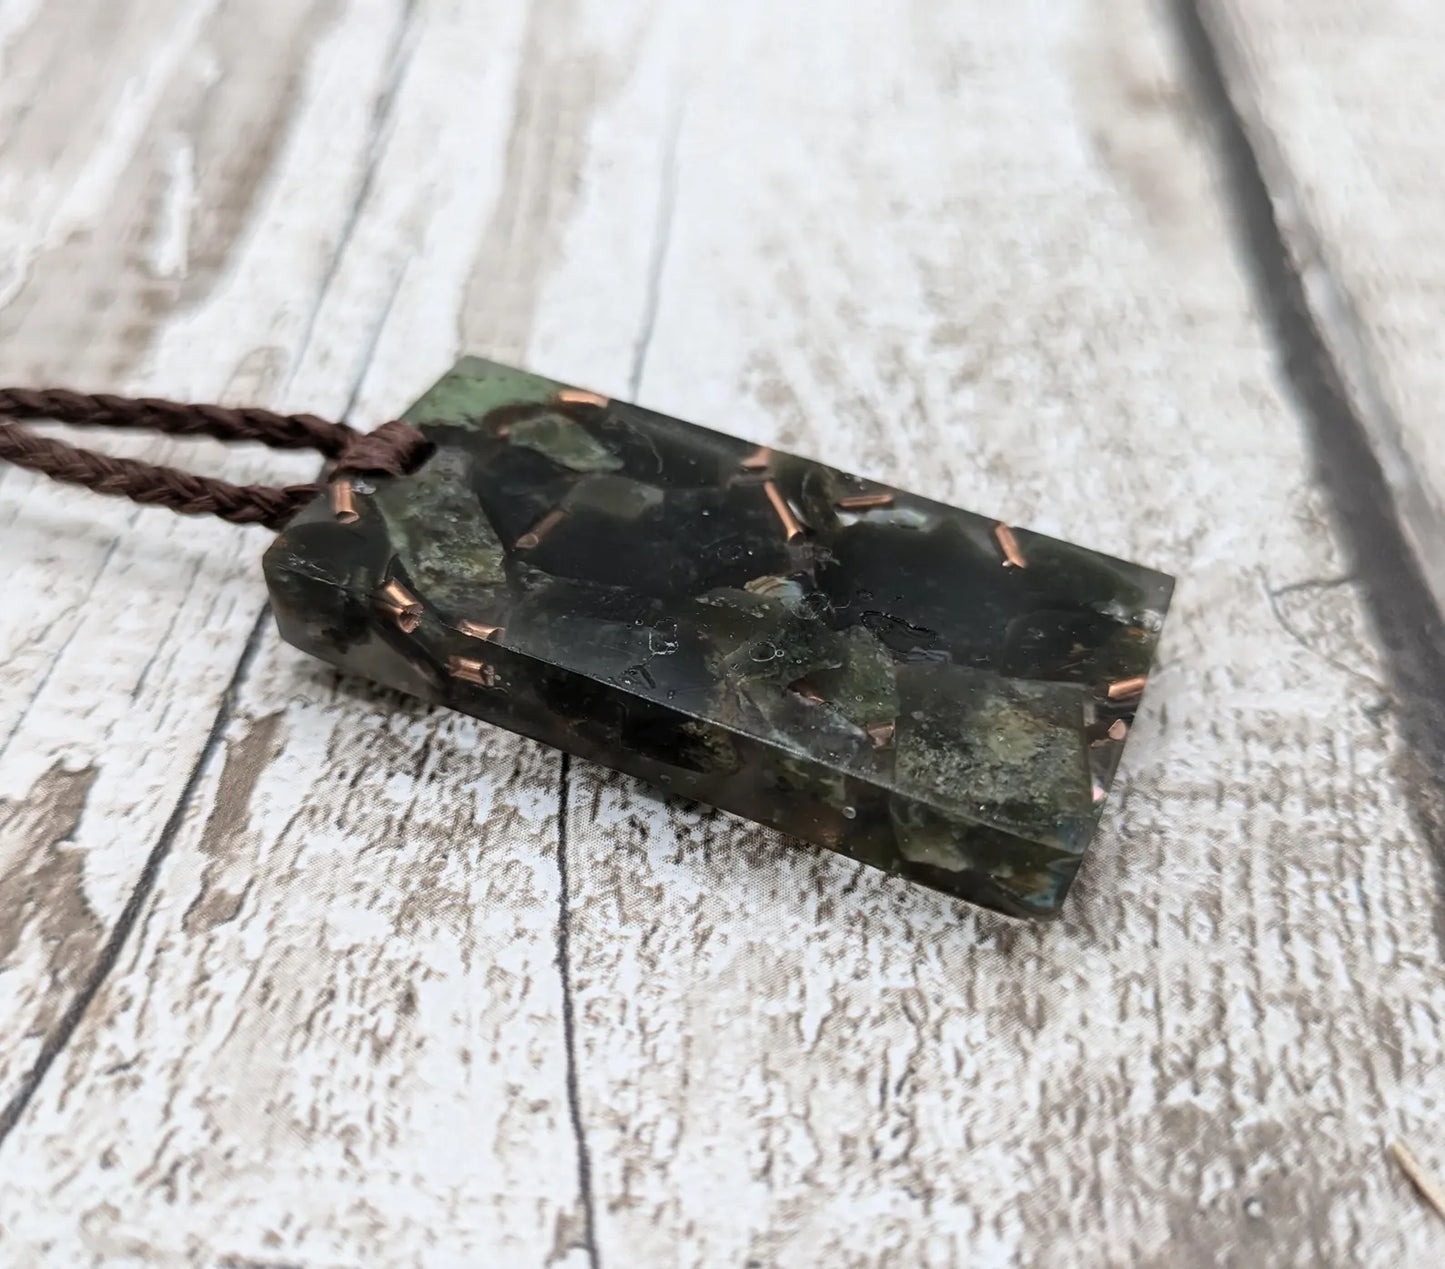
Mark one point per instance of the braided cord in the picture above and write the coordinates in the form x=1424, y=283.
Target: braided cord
x=394, y=448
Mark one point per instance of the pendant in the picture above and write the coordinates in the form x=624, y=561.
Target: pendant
x=922, y=689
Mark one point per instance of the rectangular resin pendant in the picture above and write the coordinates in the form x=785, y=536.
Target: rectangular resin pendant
x=926, y=690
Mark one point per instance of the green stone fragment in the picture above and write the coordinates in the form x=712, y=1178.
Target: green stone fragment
x=863, y=687
x=442, y=537
x=474, y=389
x=856, y=666
x=1009, y=753
x=564, y=442
x=616, y=497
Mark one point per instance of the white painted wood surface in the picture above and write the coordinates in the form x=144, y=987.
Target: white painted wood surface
x=367, y=1013
x=1343, y=101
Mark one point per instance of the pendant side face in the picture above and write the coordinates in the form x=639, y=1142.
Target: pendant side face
x=917, y=687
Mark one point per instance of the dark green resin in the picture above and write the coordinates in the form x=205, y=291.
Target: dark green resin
x=886, y=683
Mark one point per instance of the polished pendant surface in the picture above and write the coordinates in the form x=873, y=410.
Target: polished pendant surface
x=919, y=688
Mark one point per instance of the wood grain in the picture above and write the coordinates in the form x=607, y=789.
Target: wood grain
x=884, y=1078
x=1340, y=101
x=132, y=623
x=367, y=1012
x=407, y=230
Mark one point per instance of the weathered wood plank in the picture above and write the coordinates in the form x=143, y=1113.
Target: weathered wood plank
x=126, y=203
x=321, y=886
x=973, y=249
x=290, y=171
x=982, y=257
x=1341, y=102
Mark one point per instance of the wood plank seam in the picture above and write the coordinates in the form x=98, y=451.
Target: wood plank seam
x=1358, y=351
x=70, y=1020
x=145, y=883
x=1396, y=594
x=569, y=1024
x=335, y=1034
x=661, y=240
x=657, y=263
x=123, y=948
x=140, y=893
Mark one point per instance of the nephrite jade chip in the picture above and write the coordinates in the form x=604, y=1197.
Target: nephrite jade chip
x=925, y=690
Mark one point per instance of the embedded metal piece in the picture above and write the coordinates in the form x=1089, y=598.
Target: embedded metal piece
x=792, y=529
x=580, y=396
x=343, y=501
x=1124, y=689
x=476, y=630
x=533, y=537
x=470, y=670
x=404, y=608
x=1008, y=543
x=865, y=502
x=807, y=691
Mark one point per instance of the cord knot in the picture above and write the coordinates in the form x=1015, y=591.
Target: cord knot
x=394, y=449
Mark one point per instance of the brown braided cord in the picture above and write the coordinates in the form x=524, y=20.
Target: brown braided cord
x=393, y=449
x=152, y=414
